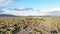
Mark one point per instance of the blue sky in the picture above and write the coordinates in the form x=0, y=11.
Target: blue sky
x=36, y=4
x=30, y=7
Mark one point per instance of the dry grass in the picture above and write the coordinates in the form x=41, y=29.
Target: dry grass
x=30, y=25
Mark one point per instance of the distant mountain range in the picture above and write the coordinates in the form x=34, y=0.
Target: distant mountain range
x=6, y=15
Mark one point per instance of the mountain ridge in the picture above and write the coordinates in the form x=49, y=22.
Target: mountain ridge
x=6, y=15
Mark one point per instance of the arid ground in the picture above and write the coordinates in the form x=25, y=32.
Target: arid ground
x=29, y=25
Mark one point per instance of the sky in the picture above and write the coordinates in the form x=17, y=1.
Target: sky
x=36, y=4
x=30, y=7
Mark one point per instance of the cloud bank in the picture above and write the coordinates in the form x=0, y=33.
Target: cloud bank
x=22, y=9
x=20, y=12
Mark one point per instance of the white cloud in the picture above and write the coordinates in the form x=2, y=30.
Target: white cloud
x=23, y=9
x=51, y=12
x=24, y=13
x=55, y=9
x=4, y=2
